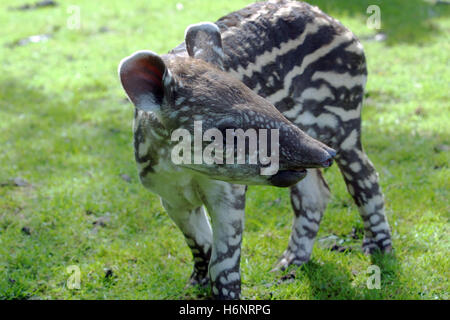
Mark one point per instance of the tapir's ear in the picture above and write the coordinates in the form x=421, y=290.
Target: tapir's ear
x=144, y=77
x=203, y=41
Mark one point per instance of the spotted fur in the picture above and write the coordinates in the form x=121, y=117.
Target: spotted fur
x=311, y=72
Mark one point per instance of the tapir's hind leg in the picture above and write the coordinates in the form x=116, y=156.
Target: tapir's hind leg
x=362, y=183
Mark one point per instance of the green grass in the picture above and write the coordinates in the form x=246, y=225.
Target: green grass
x=65, y=127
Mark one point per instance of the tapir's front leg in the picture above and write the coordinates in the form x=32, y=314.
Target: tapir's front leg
x=225, y=203
x=197, y=232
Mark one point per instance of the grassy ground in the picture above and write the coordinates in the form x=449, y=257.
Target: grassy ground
x=65, y=128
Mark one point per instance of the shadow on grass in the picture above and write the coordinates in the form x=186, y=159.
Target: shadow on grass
x=328, y=281
x=403, y=21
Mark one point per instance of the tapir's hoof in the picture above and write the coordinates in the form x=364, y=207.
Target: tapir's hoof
x=370, y=246
x=198, y=279
x=288, y=259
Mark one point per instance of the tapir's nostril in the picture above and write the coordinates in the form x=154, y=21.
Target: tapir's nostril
x=329, y=160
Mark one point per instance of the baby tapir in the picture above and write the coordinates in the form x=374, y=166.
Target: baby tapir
x=276, y=66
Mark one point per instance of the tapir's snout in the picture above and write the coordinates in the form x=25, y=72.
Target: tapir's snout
x=300, y=154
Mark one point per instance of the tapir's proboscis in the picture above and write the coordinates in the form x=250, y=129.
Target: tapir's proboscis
x=278, y=65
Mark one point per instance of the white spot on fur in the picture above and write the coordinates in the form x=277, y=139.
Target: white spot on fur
x=179, y=100
x=309, y=94
x=374, y=219
x=355, y=47
x=225, y=264
x=323, y=120
x=314, y=215
x=371, y=205
x=355, y=167
x=347, y=176
x=350, y=142
x=351, y=190
x=345, y=115
x=143, y=148
x=296, y=201
x=218, y=50
x=380, y=227
x=313, y=192
x=361, y=184
x=340, y=79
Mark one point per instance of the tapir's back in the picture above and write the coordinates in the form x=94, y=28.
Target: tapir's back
x=299, y=59
x=306, y=63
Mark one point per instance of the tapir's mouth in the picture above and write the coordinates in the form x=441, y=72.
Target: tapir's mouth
x=287, y=178
x=298, y=170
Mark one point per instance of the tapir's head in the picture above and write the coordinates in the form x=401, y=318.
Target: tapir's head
x=217, y=125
